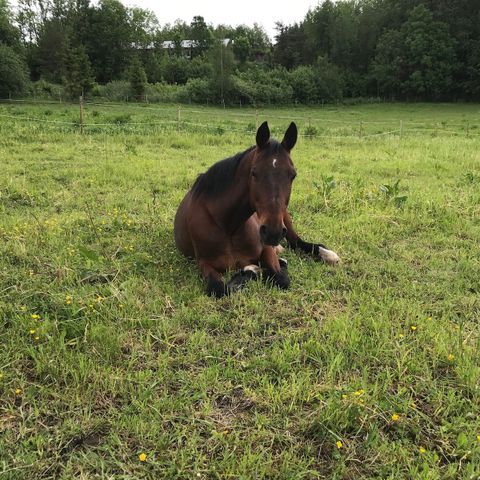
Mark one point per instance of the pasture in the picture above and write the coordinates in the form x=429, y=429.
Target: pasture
x=115, y=364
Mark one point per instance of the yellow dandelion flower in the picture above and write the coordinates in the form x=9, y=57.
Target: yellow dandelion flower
x=400, y=335
x=429, y=318
x=35, y=316
x=451, y=357
x=339, y=444
x=121, y=305
x=142, y=457
x=344, y=396
x=421, y=450
x=413, y=328
x=37, y=338
x=18, y=391
x=32, y=331
x=413, y=405
x=395, y=417
x=23, y=308
x=359, y=392
x=478, y=436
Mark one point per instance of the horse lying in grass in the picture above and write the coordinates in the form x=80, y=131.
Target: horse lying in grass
x=235, y=216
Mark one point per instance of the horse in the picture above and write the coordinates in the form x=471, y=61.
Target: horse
x=235, y=215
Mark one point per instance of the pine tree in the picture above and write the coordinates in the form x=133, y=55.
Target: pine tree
x=78, y=77
x=138, y=79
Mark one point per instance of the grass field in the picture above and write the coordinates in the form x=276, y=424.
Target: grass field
x=113, y=362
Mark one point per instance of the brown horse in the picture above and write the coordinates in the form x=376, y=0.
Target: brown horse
x=235, y=216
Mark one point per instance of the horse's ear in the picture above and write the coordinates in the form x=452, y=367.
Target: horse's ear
x=290, y=138
x=263, y=135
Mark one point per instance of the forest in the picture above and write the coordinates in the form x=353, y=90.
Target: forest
x=391, y=50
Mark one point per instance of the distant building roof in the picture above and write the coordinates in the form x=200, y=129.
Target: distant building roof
x=189, y=43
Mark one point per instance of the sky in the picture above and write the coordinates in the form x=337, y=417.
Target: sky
x=263, y=12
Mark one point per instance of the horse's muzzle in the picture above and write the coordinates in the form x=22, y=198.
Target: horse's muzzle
x=270, y=236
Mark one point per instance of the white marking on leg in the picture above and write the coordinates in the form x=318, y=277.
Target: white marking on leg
x=328, y=256
x=252, y=268
x=278, y=249
x=274, y=163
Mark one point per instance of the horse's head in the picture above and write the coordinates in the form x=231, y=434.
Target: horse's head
x=270, y=183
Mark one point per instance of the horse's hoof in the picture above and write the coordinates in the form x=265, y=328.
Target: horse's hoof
x=328, y=256
x=252, y=268
x=216, y=288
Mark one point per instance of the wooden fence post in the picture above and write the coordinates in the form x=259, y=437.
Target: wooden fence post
x=401, y=128
x=256, y=118
x=178, y=118
x=81, y=114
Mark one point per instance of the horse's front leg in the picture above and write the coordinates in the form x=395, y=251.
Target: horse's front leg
x=274, y=268
x=216, y=286
x=316, y=249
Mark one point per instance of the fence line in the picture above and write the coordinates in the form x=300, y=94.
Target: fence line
x=354, y=127
x=212, y=126
x=202, y=110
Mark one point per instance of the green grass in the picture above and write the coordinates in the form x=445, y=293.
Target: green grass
x=128, y=355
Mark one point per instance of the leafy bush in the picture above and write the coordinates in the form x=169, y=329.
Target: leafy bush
x=321, y=82
x=261, y=87
x=115, y=91
x=164, y=93
x=44, y=89
x=13, y=72
x=197, y=90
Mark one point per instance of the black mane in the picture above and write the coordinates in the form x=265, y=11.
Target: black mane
x=219, y=176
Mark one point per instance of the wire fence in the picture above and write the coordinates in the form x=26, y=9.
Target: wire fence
x=187, y=119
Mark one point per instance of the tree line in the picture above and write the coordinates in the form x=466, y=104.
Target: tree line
x=389, y=49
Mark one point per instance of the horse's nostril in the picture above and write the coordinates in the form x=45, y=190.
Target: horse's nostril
x=284, y=232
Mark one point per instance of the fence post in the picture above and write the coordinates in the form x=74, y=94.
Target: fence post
x=81, y=114
x=256, y=118
x=401, y=128
x=468, y=130
x=178, y=118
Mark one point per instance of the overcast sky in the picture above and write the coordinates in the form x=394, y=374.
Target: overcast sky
x=263, y=12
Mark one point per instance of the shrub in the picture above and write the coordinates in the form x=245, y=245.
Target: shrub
x=198, y=90
x=44, y=89
x=261, y=87
x=115, y=91
x=13, y=72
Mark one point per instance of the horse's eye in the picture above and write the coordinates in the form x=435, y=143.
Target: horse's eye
x=254, y=174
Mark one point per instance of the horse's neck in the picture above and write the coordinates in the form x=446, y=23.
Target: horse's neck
x=232, y=209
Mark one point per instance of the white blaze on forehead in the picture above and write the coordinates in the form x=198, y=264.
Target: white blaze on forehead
x=274, y=163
